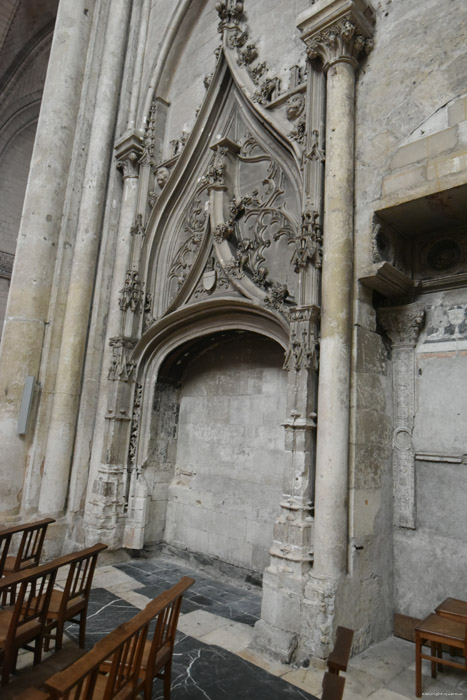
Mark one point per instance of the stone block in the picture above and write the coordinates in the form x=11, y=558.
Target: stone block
x=442, y=168
x=373, y=427
x=366, y=505
x=403, y=181
x=457, y=111
x=442, y=142
x=371, y=391
x=411, y=153
x=370, y=461
x=371, y=354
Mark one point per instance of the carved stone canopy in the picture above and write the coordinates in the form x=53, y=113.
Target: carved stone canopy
x=128, y=151
x=338, y=31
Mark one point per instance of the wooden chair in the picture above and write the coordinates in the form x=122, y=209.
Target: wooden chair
x=25, y=621
x=158, y=652
x=5, y=541
x=333, y=686
x=110, y=670
x=30, y=546
x=340, y=655
x=29, y=551
x=73, y=600
x=438, y=630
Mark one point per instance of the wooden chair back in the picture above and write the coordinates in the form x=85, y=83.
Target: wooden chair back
x=26, y=620
x=158, y=661
x=5, y=541
x=81, y=572
x=30, y=545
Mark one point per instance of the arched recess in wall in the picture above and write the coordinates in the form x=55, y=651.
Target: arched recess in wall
x=215, y=263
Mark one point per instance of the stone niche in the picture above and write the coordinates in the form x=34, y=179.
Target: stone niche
x=420, y=268
x=216, y=461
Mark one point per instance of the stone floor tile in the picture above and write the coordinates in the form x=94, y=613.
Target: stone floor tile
x=113, y=579
x=233, y=637
x=308, y=679
x=200, y=622
x=384, y=660
x=264, y=662
x=133, y=597
x=361, y=683
x=383, y=694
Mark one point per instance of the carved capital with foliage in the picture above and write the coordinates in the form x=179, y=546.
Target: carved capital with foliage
x=402, y=324
x=128, y=152
x=338, y=31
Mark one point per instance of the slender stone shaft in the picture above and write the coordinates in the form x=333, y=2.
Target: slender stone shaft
x=63, y=421
x=29, y=297
x=334, y=377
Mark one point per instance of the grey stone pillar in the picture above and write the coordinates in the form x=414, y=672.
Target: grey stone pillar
x=26, y=316
x=62, y=429
x=336, y=32
x=403, y=325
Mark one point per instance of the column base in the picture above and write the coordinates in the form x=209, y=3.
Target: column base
x=318, y=616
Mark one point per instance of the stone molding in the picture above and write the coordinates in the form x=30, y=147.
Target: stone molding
x=338, y=31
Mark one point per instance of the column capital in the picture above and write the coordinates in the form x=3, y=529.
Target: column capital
x=402, y=323
x=128, y=151
x=338, y=31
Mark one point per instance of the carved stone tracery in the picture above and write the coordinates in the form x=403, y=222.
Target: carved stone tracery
x=131, y=296
x=122, y=366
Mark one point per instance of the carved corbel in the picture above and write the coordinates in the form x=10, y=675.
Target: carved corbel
x=128, y=152
x=403, y=325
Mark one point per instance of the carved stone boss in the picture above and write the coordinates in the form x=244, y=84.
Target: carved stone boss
x=403, y=326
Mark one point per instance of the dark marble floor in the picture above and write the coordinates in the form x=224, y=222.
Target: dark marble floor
x=200, y=671
x=238, y=603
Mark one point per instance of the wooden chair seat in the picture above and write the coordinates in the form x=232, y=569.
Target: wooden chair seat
x=11, y=566
x=28, y=631
x=437, y=630
x=72, y=607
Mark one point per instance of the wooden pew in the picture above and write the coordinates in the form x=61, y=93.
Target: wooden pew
x=114, y=666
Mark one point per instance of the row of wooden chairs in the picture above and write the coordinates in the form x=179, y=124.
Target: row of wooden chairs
x=124, y=663
x=446, y=626
x=39, y=611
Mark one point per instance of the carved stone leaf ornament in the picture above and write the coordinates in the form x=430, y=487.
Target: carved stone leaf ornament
x=135, y=421
x=131, y=296
x=337, y=42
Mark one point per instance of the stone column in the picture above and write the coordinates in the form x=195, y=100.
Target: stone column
x=62, y=429
x=336, y=32
x=26, y=316
x=403, y=325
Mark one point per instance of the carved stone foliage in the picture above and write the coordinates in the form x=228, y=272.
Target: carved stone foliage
x=192, y=235
x=135, y=421
x=230, y=13
x=149, y=155
x=131, y=296
x=302, y=352
x=338, y=42
x=122, y=366
x=215, y=173
x=262, y=225
x=402, y=325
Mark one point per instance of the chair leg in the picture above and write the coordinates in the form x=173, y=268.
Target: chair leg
x=418, y=666
x=38, y=650
x=167, y=679
x=59, y=635
x=82, y=628
x=439, y=654
x=434, y=652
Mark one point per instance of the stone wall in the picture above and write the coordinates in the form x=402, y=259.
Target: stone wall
x=227, y=485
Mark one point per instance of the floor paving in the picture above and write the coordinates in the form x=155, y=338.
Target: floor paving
x=213, y=658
